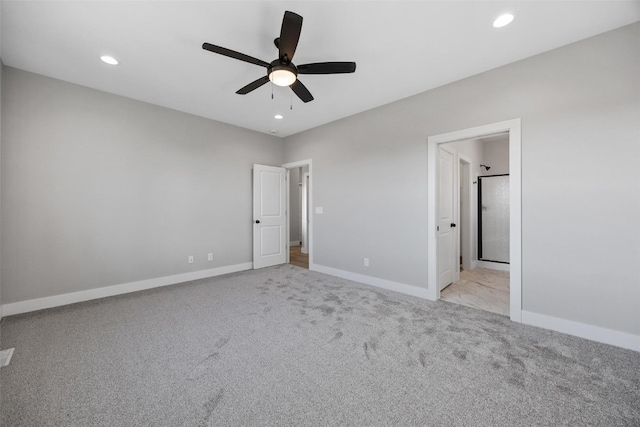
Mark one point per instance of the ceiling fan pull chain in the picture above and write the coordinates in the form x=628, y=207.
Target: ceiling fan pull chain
x=271, y=91
x=291, y=103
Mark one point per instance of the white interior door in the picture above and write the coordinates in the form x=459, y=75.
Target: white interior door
x=446, y=219
x=269, y=216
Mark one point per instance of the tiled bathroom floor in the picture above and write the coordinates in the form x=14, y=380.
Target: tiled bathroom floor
x=480, y=288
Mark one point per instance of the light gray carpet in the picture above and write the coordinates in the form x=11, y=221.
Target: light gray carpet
x=285, y=346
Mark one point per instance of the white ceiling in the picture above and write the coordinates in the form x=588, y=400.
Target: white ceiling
x=401, y=49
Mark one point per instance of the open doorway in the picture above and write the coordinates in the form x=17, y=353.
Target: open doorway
x=481, y=189
x=299, y=218
x=465, y=172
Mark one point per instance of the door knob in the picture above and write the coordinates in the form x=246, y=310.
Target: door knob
x=257, y=221
x=453, y=225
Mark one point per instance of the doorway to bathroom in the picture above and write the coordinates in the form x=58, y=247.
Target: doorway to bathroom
x=477, y=239
x=480, y=222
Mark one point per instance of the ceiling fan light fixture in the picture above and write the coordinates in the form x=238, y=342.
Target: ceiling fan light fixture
x=283, y=76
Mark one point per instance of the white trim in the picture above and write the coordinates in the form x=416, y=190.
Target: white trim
x=287, y=207
x=125, y=288
x=493, y=265
x=294, y=243
x=304, y=214
x=515, y=220
x=515, y=163
x=469, y=241
x=582, y=330
x=298, y=164
x=373, y=281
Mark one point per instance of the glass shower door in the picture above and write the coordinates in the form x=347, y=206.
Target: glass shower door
x=493, y=218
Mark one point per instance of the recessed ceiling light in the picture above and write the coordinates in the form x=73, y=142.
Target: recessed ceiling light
x=109, y=60
x=503, y=20
x=278, y=116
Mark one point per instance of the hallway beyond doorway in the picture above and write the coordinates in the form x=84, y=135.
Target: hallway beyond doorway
x=296, y=257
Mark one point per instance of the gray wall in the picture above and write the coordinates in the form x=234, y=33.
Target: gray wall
x=471, y=148
x=579, y=107
x=100, y=190
x=496, y=155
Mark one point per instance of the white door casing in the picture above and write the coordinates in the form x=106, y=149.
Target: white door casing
x=269, y=216
x=309, y=197
x=514, y=128
x=446, y=219
x=305, y=213
x=466, y=210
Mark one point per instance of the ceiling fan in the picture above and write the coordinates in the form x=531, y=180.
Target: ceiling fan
x=282, y=71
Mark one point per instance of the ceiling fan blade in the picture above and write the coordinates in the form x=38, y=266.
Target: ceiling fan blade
x=233, y=54
x=253, y=85
x=302, y=91
x=327, y=68
x=289, y=35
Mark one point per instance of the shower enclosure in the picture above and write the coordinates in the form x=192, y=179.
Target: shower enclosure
x=493, y=218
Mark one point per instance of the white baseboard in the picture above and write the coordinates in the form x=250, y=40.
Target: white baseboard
x=493, y=265
x=294, y=243
x=373, y=281
x=582, y=330
x=594, y=333
x=108, y=291
x=472, y=265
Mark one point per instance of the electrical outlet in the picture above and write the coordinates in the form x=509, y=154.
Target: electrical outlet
x=366, y=262
x=5, y=357
x=190, y=259
x=210, y=256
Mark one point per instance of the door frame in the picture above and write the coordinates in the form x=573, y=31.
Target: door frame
x=515, y=195
x=288, y=167
x=304, y=229
x=465, y=245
